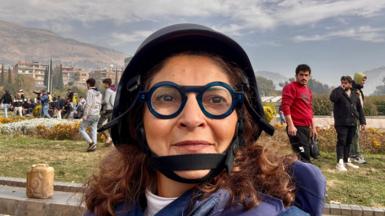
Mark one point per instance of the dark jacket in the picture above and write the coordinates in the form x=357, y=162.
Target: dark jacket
x=310, y=183
x=346, y=110
x=6, y=98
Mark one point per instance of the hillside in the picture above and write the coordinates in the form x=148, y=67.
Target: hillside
x=31, y=44
x=375, y=77
x=275, y=77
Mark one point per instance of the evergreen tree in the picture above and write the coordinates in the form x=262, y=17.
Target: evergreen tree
x=60, y=84
x=2, y=75
x=46, y=77
x=266, y=87
x=9, y=75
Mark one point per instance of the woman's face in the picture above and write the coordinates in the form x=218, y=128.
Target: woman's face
x=191, y=132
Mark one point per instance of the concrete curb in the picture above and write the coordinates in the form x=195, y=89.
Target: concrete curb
x=13, y=201
x=58, y=186
x=67, y=197
x=352, y=210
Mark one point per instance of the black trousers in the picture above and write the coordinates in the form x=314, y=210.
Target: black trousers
x=300, y=143
x=345, y=136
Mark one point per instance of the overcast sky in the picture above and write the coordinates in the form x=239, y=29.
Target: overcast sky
x=334, y=37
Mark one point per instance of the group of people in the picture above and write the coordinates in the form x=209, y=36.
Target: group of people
x=349, y=119
x=97, y=112
x=43, y=105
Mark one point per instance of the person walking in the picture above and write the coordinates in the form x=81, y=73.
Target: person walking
x=107, y=106
x=91, y=114
x=347, y=110
x=44, y=100
x=6, y=101
x=297, y=107
x=355, y=151
x=18, y=102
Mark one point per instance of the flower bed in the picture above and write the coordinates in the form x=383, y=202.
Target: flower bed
x=42, y=127
x=13, y=119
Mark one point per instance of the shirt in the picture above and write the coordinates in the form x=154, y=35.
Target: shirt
x=297, y=102
x=156, y=203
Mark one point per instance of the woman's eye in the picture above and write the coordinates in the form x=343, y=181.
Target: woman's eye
x=165, y=98
x=217, y=100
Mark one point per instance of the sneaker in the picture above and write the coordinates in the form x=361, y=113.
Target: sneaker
x=351, y=165
x=359, y=160
x=91, y=147
x=340, y=166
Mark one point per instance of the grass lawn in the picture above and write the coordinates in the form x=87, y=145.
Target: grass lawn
x=69, y=158
x=365, y=186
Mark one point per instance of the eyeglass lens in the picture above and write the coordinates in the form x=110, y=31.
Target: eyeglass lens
x=167, y=100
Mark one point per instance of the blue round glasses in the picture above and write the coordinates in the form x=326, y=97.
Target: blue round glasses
x=166, y=100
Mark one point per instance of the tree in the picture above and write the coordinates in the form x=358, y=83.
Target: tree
x=316, y=86
x=46, y=76
x=57, y=80
x=319, y=88
x=2, y=74
x=24, y=82
x=9, y=75
x=266, y=87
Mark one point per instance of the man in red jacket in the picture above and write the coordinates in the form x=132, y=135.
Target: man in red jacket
x=297, y=108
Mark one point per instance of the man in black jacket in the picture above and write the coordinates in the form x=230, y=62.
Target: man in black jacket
x=347, y=110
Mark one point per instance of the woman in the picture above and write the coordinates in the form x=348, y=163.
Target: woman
x=186, y=117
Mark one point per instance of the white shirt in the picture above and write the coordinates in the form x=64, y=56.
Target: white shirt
x=156, y=203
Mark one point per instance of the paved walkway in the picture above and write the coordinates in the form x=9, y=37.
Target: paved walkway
x=371, y=121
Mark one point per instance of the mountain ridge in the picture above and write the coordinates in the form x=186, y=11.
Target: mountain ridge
x=21, y=43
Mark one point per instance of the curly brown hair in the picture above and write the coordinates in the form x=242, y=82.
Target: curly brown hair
x=124, y=174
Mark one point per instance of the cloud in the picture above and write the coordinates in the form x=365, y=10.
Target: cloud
x=362, y=33
x=240, y=16
x=256, y=13
x=123, y=38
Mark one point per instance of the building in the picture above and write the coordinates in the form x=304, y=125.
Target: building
x=35, y=70
x=113, y=73
x=73, y=76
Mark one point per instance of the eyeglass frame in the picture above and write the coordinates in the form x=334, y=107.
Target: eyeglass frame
x=237, y=98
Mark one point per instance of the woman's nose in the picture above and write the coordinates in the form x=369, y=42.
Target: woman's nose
x=192, y=115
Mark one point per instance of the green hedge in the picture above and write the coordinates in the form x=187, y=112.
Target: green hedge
x=373, y=105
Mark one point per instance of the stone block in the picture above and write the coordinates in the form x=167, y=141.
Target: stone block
x=335, y=209
x=378, y=212
x=356, y=210
x=326, y=209
x=30, y=208
x=345, y=209
x=8, y=206
x=64, y=210
x=367, y=211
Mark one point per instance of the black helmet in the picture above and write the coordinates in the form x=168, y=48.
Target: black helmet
x=160, y=45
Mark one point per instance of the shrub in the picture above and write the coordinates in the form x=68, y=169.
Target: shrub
x=13, y=119
x=269, y=110
x=58, y=132
x=322, y=105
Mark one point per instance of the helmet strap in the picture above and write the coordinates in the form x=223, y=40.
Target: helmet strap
x=167, y=165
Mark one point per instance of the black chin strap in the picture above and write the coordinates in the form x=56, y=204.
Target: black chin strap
x=265, y=126
x=167, y=165
x=120, y=117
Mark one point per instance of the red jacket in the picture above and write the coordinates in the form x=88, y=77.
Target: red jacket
x=297, y=102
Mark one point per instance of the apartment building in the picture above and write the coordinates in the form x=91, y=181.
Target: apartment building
x=35, y=70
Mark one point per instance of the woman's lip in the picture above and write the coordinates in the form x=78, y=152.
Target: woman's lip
x=191, y=143
x=193, y=147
